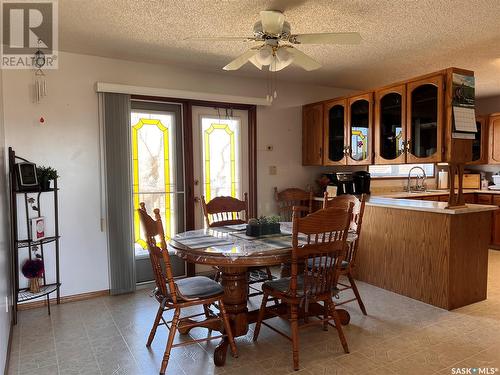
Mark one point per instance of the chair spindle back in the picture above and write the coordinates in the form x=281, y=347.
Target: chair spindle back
x=342, y=201
x=326, y=234
x=158, y=252
x=222, y=211
x=289, y=198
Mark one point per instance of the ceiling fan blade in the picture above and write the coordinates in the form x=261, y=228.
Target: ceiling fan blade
x=240, y=60
x=220, y=39
x=326, y=38
x=278, y=65
x=302, y=60
x=272, y=21
x=254, y=61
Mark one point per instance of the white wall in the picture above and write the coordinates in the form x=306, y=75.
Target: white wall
x=5, y=317
x=69, y=142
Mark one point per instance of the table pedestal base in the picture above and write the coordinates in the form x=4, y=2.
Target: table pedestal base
x=235, y=283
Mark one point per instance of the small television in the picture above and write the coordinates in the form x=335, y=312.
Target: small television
x=26, y=176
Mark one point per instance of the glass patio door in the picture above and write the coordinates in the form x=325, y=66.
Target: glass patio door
x=157, y=175
x=220, y=155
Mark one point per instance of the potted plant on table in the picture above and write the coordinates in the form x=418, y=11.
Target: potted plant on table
x=45, y=175
x=33, y=270
x=263, y=226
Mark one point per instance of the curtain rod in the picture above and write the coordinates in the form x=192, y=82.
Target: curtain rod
x=180, y=94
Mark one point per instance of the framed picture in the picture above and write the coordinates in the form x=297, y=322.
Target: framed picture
x=38, y=228
x=26, y=175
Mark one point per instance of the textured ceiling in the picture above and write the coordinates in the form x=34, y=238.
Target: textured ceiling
x=401, y=38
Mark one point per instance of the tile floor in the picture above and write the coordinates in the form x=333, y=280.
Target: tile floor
x=399, y=336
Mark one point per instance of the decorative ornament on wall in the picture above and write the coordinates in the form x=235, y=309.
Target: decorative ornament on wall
x=40, y=84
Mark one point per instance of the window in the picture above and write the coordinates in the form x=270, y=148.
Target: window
x=221, y=154
x=398, y=170
x=153, y=175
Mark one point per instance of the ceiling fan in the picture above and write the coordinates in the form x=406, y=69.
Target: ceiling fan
x=277, y=50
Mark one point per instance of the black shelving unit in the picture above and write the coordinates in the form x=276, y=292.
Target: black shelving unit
x=22, y=245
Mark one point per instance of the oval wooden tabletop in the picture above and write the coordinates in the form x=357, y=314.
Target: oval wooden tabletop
x=230, y=247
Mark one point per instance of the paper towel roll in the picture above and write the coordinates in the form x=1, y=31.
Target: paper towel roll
x=443, y=180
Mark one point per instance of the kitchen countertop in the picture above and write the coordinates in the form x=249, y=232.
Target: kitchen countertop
x=427, y=206
x=429, y=193
x=397, y=201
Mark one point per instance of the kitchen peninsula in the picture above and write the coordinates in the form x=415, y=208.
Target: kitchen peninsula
x=425, y=251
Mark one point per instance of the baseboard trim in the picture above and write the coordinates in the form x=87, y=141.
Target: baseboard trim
x=65, y=299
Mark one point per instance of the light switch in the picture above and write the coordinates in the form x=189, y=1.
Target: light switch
x=273, y=170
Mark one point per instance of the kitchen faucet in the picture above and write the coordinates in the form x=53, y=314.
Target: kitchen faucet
x=417, y=186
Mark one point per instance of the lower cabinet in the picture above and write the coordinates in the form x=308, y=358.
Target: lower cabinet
x=478, y=199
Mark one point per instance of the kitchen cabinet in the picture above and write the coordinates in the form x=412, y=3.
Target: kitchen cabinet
x=468, y=198
x=359, y=129
x=495, y=232
x=406, y=122
x=480, y=142
x=494, y=141
x=390, y=125
x=348, y=131
x=312, y=134
x=425, y=120
x=335, y=123
x=484, y=199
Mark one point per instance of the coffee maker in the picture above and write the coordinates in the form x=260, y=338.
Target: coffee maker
x=356, y=183
x=345, y=183
x=361, y=180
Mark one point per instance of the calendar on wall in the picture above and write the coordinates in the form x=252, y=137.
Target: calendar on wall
x=463, y=101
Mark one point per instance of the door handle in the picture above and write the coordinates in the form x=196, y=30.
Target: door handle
x=196, y=200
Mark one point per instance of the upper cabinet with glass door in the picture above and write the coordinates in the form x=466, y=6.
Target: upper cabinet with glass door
x=425, y=120
x=480, y=142
x=359, y=130
x=390, y=125
x=335, y=143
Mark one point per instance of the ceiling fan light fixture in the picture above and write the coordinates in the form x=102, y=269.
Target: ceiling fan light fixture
x=265, y=56
x=284, y=56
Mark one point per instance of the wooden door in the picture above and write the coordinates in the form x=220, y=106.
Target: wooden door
x=424, y=100
x=480, y=143
x=359, y=129
x=335, y=143
x=312, y=134
x=494, y=142
x=390, y=125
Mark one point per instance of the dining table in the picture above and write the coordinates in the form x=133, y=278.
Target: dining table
x=233, y=252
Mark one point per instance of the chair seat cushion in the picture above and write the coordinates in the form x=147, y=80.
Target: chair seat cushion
x=317, y=261
x=198, y=287
x=282, y=285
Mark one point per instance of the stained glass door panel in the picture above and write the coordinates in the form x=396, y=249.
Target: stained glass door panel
x=221, y=174
x=220, y=146
x=153, y=170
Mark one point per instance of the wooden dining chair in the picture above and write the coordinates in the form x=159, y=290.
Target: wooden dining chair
x=293, y=197
x=347, y=267
x=178, y=294
x=326, y=232
x=222, y=211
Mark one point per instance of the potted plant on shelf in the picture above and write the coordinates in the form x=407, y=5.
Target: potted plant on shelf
x=33, y=270
x=45, y=175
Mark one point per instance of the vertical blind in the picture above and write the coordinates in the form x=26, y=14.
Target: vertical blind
x=115, y=117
